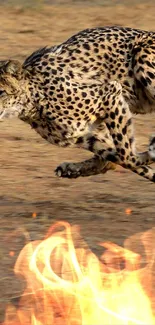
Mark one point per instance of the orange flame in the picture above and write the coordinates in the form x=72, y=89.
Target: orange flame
x=69, y=285
x=128, y=211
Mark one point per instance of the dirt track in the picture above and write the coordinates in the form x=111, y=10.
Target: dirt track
x=28, y=184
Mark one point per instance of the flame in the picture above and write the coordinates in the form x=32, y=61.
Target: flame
x=12, y=253
x=67, y=284
x=128, y=211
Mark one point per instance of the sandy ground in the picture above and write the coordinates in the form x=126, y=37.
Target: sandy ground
x=28, y=186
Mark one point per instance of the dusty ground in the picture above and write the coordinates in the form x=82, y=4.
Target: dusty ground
x=28, y=184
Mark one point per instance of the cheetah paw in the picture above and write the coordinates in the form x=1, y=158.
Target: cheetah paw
x=152, y=147
x=68, y=170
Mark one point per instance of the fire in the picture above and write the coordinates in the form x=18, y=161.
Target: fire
x=128, y=211
x=67, y=284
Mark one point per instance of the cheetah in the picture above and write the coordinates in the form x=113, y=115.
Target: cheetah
x=83, y=93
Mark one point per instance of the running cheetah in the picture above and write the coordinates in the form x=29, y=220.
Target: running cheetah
x=83, y=93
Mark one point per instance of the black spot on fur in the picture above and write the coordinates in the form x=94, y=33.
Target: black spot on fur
x=91, y=142
x=119, y=137
x=111, y=158
x=112, y=115
x=86, y=46
x=79, y=140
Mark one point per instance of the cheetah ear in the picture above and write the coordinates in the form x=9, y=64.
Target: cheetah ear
x=11, y=67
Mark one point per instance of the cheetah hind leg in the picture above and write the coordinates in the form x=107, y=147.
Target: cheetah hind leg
x=92, y=166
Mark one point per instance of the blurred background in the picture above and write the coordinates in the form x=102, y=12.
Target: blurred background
x=106, y=207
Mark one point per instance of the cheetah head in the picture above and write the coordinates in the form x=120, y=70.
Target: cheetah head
x=12, y=89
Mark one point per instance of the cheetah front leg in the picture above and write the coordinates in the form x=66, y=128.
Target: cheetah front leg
x=92, y=166
x=99, y=139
